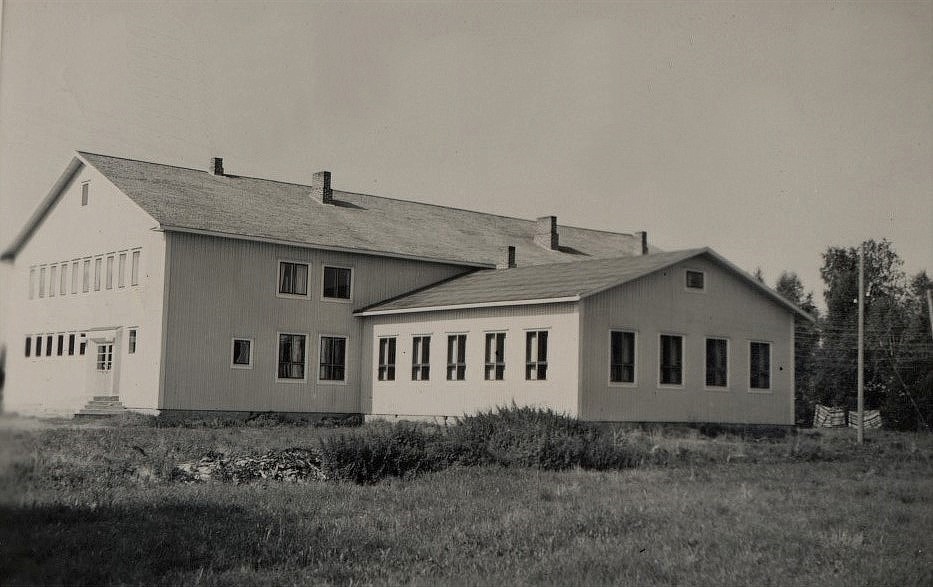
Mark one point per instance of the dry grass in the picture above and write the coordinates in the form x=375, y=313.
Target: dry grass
x=95, y=505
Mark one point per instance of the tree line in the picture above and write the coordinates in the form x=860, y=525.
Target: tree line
x=898, y=366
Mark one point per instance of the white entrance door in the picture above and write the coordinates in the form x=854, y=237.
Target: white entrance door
x=102, y=379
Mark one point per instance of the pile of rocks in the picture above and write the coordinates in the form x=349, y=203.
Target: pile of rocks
x=291, y=464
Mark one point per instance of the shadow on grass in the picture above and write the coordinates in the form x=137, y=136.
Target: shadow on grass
x=83, y=545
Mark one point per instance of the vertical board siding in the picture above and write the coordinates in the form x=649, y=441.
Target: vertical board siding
x=439, y=397
x=109, y=223
x=659, y=303
x=225, y=288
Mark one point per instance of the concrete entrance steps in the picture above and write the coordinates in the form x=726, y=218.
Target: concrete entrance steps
x=102, y=405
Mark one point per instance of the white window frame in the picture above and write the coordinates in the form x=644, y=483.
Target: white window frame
x=547, y=360
x=683, y=361
x=43, y=273
x=278, y=273
x=307, y=354
x=346, y=359
x=121, y=269
x=456, y=364
x=634, y=382
x=85, y=192
x=494, y=365
x=63, y=278
x=728, y=385
x=378, y=362
x=32, y=282
x=108, y=278
x=86, y=275
x=53, y=280
x=98, y=272
x=252, y=351
x=748, y=382
x=324, y=268
x=132, y=340
x=75, y=275
x=135, y=261
x=697, y=290
x=430, y=337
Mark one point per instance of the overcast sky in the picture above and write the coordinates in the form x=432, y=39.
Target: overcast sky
x=766, y=131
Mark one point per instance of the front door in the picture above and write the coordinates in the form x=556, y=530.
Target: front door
x=102, y=379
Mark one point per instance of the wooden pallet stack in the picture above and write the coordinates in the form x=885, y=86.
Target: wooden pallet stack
x=827, y=417
x=872, y=419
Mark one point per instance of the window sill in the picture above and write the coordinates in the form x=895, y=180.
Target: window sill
x=767, y=391
x=241, y=366
x=713, y=388
x=280, y=380
x=337, y=300
x=623, y=384
x=286, y=296
x=671, y=386
x=331, y=382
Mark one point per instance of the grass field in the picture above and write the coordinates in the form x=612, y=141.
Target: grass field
x=96, y=504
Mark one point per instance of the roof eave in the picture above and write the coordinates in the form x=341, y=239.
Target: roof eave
x=323, y=247
x=468, y=306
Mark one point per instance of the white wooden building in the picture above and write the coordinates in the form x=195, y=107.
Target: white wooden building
x=177, y=291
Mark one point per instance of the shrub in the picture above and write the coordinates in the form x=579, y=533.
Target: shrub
x=382, y=450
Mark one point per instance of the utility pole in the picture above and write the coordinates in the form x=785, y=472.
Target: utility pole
x=861, y=343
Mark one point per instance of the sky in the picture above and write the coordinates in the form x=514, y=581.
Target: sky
x=767, y=131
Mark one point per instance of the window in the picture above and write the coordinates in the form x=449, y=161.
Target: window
x=536, y=355
x=134, y=271
x=61, y=345
x=85, y=188
x=71, y=344
x=86, y=284
x=621, y=356
x=291, y=356
x=717, y=362
x=28, y=345
x=53, y=280
x=42, y=282
x=333, y=358
x=672, y=360
x=131, y=342
x=63, y=285
x=293, y=278
x=121, y=270
x=759, y=368
x=48, y=346
x=38, y=346
x=242, y=353
x=109, y=282
x=104, y=357
x=695, y=280
x=387, y=359
x=98, y=266
x=456, y=357
x=74, y=277
x=495, y=356
x=83, y=346
x=420, y=358
x=337, y=283
x=32, y=282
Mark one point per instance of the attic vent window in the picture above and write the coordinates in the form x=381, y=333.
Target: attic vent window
x=85, y=188
x=696, y=280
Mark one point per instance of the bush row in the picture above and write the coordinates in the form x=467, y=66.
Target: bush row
x=523, y=437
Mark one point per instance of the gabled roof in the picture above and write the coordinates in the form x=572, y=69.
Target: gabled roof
x=558, y=282
x=191, y=200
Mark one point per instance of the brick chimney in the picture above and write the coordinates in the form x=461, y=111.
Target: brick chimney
x=217, y=166
x=546, y=232
x=320, y=187
x=643, y=237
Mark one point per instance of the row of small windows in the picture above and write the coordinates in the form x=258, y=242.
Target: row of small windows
x=76, y=275
x=622, y=354
x=671, y=363
x=292, y=357
x=336, y=282
x=536, y=351
x=68, y=344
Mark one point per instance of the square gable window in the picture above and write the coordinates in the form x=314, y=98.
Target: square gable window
x=695, y=280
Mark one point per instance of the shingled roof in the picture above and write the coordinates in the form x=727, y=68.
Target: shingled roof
x=182, y=199
x=557, y=282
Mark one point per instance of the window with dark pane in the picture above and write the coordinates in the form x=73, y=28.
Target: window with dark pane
x=337, y=283
x=717, y=362
x=387, y=359
x=293, y=278
x=456, y=357
x=695, y=280
x=536, y=355
x=495, y=356
x=760, y=365
x=291, y=356
x=333, y=358
x=672, y=359
x=420, y=358
x=622, y=357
